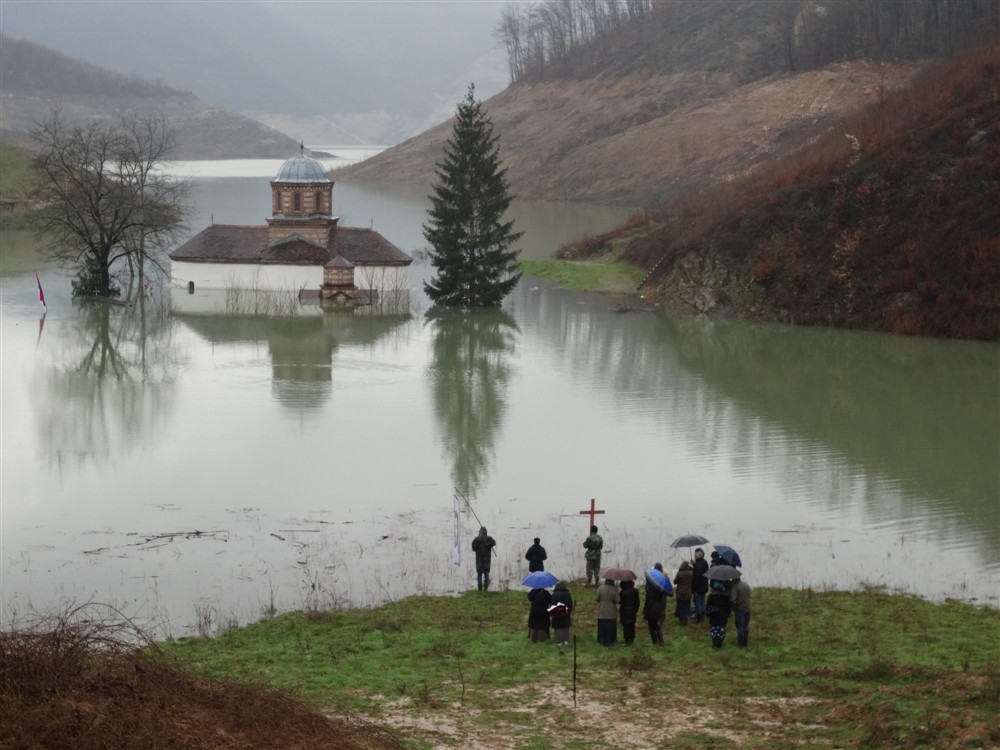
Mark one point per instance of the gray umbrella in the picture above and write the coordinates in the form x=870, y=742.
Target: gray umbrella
x=722, y=573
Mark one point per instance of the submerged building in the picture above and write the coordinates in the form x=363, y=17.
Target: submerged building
x=301, y=250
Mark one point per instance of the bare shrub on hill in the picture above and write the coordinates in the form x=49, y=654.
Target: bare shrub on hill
x=89, y=678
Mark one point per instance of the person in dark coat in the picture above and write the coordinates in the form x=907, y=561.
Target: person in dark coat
x=716, y=560
x=628, y=610
x=718, y=608
x=483, y=546
x=607, y=613
x=683, y=583
x=699, y=584
x=536, y=556
x=739, y=596
x=653, y=611
x=538, y=615
x=561, y=623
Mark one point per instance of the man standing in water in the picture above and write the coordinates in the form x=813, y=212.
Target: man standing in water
x=483, y=546
x=593, y=544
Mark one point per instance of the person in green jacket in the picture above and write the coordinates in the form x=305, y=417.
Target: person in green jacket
x=593, y=544
x=739, y=596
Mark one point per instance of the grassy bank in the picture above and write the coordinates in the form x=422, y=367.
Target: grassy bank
x=842, y=669
x=608, y=276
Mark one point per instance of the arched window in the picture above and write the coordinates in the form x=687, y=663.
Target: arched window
x=297, y=202
x=319, y=203
x=277, y=201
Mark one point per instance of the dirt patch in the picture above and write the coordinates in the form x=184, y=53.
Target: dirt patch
x=629, y=720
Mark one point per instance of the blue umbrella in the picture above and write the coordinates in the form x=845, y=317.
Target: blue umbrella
x=540, y=579
x=729, y=555
x=658, y=579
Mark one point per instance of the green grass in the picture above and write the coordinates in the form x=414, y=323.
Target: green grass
x=609, y=276
x=863, y=667
x=16, y=175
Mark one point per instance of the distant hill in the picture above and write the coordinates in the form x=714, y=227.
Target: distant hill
x=34, y=80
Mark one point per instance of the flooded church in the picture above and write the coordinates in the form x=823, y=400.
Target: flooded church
x=300, y=258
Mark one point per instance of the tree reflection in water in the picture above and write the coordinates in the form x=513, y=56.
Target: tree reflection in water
x=470, y=374
x=113, y=386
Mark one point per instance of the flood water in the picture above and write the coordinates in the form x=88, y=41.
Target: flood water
x=196, y=471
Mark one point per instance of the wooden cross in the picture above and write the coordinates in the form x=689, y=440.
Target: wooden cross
x=592, y=512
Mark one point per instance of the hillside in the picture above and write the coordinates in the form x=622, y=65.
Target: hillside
x=34, y=80
x=889, y=222
x=693, y=93
x=755, y=204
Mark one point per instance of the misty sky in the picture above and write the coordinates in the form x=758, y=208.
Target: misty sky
x=287, y=56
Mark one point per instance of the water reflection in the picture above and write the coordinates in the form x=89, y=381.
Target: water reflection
x=113, y=388
x=907, y=431
x=301, y=347
x=470, y=374
x=922, y=412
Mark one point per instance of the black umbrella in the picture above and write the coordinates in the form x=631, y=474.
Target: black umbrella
x=689, y=541
x=722, y=573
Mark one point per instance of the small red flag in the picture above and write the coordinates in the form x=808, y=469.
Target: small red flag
x=41, y=294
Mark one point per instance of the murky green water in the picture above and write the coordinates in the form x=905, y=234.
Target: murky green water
x=186, y=467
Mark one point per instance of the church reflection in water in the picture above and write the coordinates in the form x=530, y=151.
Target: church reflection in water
x=301, y=347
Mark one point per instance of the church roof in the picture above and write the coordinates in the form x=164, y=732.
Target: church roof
x=301, y=169
x=228, y=243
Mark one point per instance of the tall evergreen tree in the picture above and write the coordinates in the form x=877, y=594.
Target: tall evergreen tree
x=471, y=243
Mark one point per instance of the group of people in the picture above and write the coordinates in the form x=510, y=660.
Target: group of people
x=696, y=597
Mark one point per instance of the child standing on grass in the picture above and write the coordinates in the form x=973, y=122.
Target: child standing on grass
x=717, y=608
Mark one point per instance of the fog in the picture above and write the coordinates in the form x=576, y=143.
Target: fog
x=403, y=59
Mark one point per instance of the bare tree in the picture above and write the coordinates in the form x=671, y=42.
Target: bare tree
x=106, y=210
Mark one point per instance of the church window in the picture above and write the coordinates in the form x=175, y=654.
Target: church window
x=319, y=202
x=297, y=201
x=277, y=201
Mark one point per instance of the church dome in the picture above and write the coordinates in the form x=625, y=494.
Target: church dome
x=301, y=169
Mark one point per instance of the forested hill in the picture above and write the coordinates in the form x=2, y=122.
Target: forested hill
x=35, y=80
x=643, y=105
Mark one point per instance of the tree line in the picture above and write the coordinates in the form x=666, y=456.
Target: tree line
x=537, y=35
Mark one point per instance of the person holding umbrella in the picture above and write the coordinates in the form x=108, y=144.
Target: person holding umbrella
x=607, y=613
x=699, y=583
x=654, y=610
x=717, y=608
x=538, y=615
